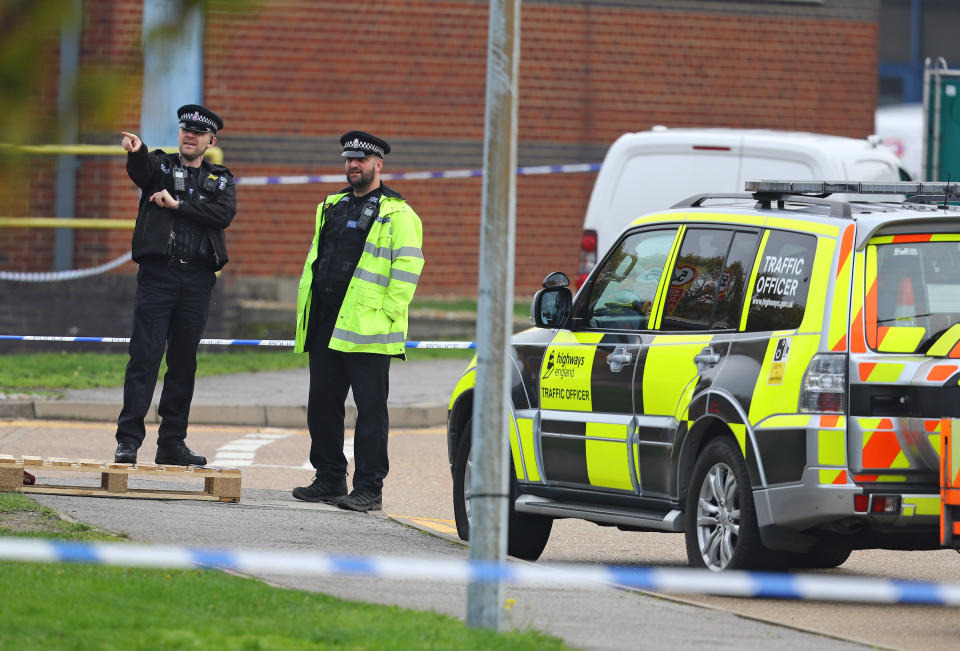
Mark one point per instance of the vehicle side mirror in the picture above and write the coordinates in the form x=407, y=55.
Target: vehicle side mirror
x=551, y=307
x=556, y=279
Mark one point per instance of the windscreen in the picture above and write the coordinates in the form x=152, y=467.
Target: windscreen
x=917, y=295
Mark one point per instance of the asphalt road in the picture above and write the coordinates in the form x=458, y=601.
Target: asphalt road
x=417, y=496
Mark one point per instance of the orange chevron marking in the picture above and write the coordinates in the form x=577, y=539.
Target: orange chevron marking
x=871, y=315
x=841, y=345
x=897, y=239
x=857, y=342
x=941, y=373
x=866, y=368
x=881, y=450
x=841, y=477
x=846, y=248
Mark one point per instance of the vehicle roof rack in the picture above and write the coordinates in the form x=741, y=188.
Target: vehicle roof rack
x=697, y=200
x=838, y=208
x=927, y=192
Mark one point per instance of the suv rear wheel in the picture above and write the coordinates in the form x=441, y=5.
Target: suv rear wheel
x=822, y=556
x=527, y=535
x=720, y=518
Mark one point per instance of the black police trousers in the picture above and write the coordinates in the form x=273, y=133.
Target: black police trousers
x=170, y=311
x=332, y=373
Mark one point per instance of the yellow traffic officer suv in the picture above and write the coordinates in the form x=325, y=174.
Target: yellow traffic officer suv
x=772, y=373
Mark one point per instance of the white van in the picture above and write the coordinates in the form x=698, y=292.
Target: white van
x=900, y=127
x=652, y=170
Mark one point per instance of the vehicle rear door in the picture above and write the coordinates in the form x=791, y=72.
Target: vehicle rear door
x=700, y=315
x=907, y=380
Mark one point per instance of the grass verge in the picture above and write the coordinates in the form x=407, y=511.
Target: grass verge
x=90, y=370
x=68, y=606
x=21, y=516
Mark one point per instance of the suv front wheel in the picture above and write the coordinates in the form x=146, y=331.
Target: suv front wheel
x=720, y=518
x=527, y=534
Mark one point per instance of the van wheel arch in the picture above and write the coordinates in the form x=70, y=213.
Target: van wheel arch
x=527, y=534
x=461, y=412
x=704, y=431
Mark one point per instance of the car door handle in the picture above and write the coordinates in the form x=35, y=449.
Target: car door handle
x=618, y=359
x=706, y=358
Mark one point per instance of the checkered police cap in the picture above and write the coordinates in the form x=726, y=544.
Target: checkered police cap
x=194, y=117
x=359, y=144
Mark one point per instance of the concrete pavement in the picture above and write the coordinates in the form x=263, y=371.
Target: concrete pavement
x=605, y=619
x=419, y=394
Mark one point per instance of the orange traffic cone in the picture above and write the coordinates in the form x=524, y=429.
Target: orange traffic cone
x=904, y=309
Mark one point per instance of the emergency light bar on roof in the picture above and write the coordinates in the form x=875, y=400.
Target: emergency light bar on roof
x=932, y=189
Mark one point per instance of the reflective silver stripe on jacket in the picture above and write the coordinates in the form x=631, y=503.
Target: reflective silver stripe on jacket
x=380, y=279
x=408, y=252
x=371, y=277
x=399, y=274
x=356, y=338
x=377, y=252
x=391, y=255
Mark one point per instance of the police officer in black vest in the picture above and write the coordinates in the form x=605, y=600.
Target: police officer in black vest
x=178, y=241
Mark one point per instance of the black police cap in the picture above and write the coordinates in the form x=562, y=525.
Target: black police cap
x=358, y=144
x=194, y=117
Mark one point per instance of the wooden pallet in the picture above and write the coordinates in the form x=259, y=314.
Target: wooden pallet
x=219, y=484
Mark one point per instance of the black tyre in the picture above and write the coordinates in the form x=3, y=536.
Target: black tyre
x=821, y=556
x=720, y=518
x=527, y=535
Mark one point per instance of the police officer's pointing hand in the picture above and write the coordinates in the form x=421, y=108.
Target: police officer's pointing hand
x=131, y=142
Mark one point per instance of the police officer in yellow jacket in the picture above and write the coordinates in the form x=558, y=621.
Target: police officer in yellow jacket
x=357, y=283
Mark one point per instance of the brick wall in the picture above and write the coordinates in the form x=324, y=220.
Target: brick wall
x=290, y=76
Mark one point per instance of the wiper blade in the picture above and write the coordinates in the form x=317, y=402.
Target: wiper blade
x=904, y=318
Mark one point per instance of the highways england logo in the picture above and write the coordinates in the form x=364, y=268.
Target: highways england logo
x=563, y=365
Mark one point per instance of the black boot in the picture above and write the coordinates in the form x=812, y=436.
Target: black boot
x=178, y=454
x=361, y=500
x=322, y=490
x=126, y=453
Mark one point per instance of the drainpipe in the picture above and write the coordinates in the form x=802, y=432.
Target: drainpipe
x=67, y=165
x=172, y=69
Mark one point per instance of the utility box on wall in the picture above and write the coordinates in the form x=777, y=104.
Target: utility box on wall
x=941, y=114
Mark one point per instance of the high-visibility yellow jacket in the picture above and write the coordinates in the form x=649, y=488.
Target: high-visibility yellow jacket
x=373, y=315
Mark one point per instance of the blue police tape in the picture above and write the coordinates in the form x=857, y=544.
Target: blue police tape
x=664, y=580
x=52, y=276
x=414, y=176
x=70, y=274
x=287, y=343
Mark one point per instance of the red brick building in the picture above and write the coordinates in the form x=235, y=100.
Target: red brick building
x=289, y=76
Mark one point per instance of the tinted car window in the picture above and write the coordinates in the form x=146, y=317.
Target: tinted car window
x=626, y=285
x=783, y=280
x=918, y=286
x=733, y=281
x=699, y=277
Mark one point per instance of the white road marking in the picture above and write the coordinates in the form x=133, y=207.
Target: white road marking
x=241, y=452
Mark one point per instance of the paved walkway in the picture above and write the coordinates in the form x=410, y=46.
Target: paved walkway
x=585, y=618
x=419, y=395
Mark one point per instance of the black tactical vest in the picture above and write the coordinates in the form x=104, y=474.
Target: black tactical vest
x=342, y=238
